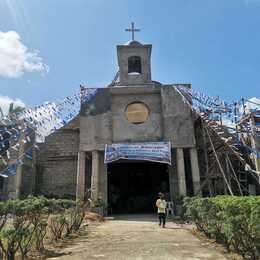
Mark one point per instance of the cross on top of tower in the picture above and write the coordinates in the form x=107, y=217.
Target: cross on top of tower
x=132, y=30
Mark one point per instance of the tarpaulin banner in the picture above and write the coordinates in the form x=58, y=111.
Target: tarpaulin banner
x=150, y=151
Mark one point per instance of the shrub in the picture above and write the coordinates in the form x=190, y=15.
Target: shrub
x=68, y=218
x=235, y=221
x=40, y=234
x=24, y=223
x=57, y=226
x=9, y=243
x=74, y=218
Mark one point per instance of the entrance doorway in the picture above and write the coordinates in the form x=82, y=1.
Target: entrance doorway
x=133, y=186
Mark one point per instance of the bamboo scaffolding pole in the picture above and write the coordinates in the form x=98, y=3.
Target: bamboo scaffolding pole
x=19, y=170
x=206, y=181
x=235, y=176
x=219, y=164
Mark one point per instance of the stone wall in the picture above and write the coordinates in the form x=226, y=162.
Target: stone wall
x=57, y=164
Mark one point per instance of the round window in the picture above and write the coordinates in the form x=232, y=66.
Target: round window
x=137, y=113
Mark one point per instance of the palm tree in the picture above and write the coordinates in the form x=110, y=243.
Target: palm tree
x=15, y=111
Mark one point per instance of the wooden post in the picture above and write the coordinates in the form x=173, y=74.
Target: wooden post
x=235, y=176
x=34, y=169
x=19, y=170
x=205, y=151
x=204, y=183
x=219, y=164
x=227, y=169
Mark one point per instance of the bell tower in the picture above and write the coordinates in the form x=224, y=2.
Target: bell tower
x=134, y=61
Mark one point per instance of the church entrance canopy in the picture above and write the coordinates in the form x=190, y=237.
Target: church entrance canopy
x=147, y=151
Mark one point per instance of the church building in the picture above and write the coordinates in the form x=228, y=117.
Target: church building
x=153, y=120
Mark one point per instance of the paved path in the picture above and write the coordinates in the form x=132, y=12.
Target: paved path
x=140, y=238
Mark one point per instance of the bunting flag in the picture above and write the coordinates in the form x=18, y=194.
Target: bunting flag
x=219, y=113
x=46, y=118
x=29, y=154
x=10, y=170
x=49, y=117
x=215, y=109
x=41, y=120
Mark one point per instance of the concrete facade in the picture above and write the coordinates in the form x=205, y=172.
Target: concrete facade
x=133, y=49
x=72, y=160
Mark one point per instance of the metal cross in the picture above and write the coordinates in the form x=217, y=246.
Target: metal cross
x=132, y=30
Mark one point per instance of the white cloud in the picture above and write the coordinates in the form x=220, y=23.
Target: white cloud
x=16, y=59
x=6, y=101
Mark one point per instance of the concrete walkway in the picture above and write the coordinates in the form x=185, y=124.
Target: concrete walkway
x=140, y=237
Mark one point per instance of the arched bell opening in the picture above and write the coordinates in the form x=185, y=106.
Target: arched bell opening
x=134, y=64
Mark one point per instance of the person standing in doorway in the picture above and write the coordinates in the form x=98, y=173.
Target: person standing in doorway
x=161, y=206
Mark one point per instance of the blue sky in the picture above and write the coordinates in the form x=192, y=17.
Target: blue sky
x=212, y=44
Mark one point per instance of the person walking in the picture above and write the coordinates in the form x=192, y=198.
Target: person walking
x=161, y=206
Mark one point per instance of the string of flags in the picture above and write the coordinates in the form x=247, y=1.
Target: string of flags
x=11, y=169
x=219, y=110
x=41, y=120
x=49, y=117
x=219, y=113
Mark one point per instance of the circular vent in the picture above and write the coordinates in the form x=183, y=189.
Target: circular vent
x=137, y=113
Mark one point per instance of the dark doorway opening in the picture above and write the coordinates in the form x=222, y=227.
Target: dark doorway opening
x=133, y=186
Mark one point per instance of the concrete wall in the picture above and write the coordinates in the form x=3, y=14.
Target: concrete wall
x=126, y=51
x=103, y=121
x=170, y=118
x=96, y=122
x=95, y=132
x=178, y=122
x=124, y=131
x=57, y=164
